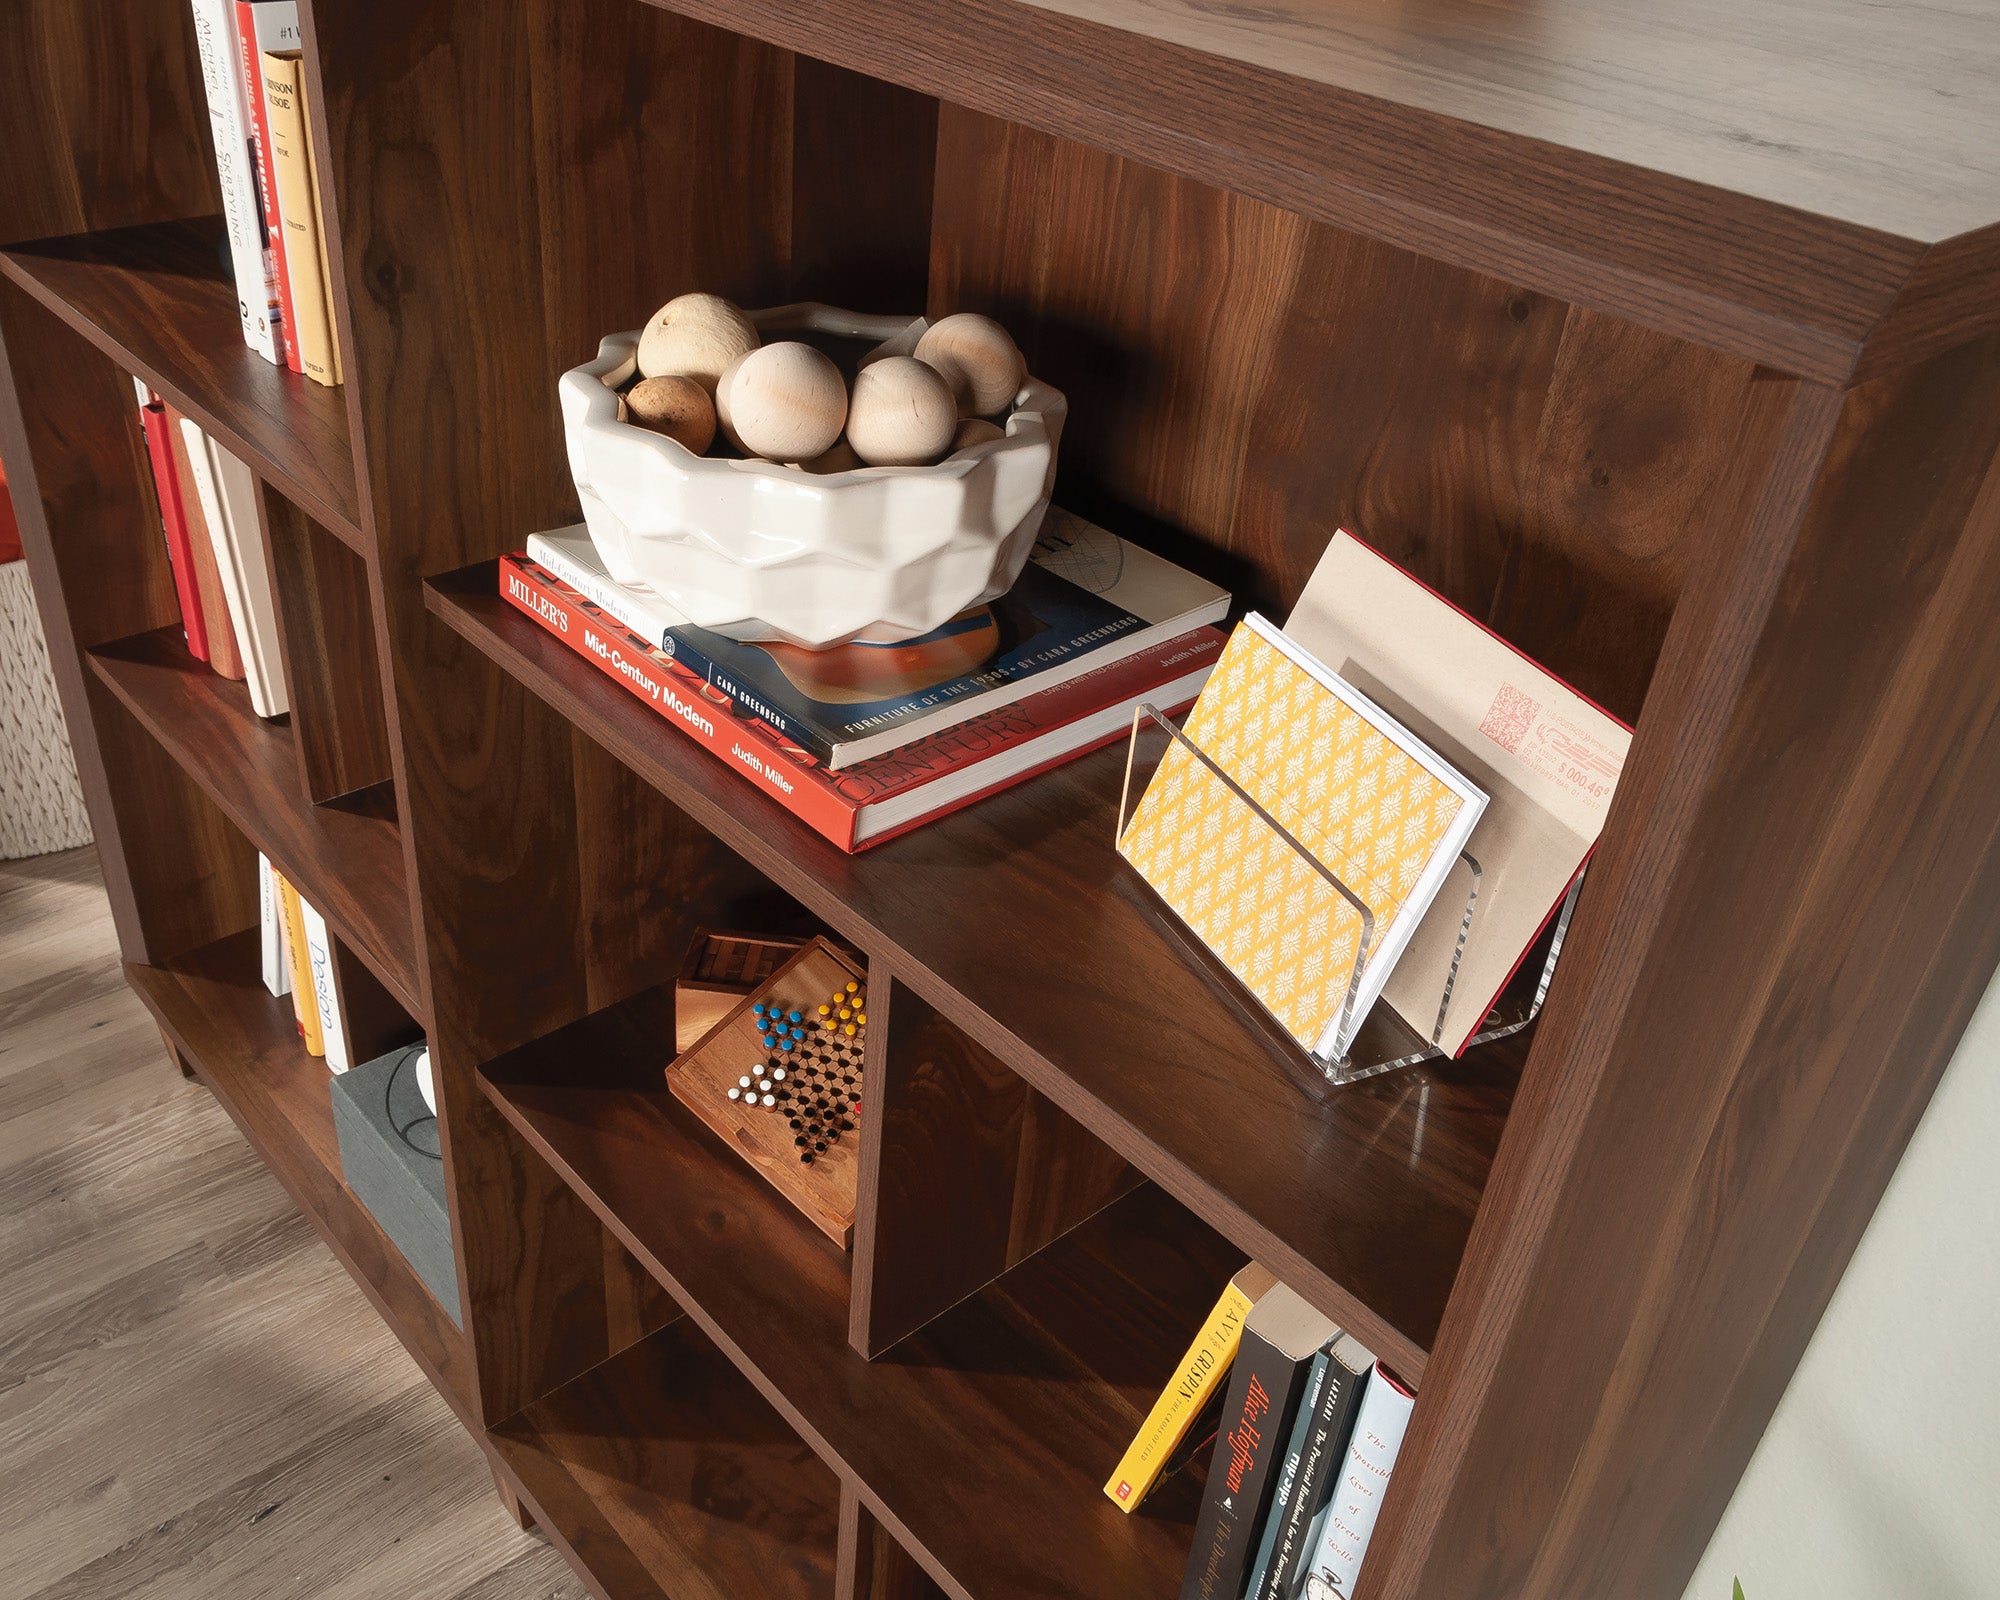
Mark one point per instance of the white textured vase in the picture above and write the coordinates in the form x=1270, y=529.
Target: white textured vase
x=756, y=550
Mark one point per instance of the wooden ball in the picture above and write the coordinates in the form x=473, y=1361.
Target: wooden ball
x=841, y=458
x=975, y=430
x=978, y=358
x=676, y=406
x=694, y=336
x=787, y=402
x=722, y=417
x=903, y=413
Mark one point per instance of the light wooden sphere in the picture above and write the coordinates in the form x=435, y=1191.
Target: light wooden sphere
x=722, y=419
x=694, y=336
x=903, y=413
x=787, y=402
x=975, y=430
x=978, y=358
x=676, y=406
x=841, y=458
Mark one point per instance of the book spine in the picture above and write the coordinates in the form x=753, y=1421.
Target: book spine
x=319, y=959
x=217, y=619
x=295, y=205
x=250, y=41
x=228, y=492
x=310, y=144
x=1299, y=1519
x=627, y=658
x=1357, y=1491
x=1205, y=1365
x=180, y=555
x=304, y=1004
x=271, y=928
x=215, y=44
x=616, y=600
x=1288, y=1475
x=1242, y=1471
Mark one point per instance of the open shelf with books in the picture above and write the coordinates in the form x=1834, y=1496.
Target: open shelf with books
x=1705, y=426
x=155, y=299
x=243, y=1044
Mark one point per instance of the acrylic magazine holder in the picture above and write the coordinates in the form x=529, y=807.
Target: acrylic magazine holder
x=1384, y=1040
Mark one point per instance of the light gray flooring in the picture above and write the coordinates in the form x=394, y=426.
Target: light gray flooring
x=196, y=1403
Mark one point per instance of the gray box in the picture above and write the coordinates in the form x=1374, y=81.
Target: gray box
x=389, y=1157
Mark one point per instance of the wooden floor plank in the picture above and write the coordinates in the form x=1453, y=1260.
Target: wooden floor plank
x=195, y=1399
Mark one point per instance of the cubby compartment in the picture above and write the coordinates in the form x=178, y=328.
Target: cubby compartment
x=669, y=1475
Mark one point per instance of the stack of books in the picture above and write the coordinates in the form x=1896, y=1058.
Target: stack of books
x=208, y=514
x=298, y=961
x=1306, y=1425
x=254, y=77
x=865, y=741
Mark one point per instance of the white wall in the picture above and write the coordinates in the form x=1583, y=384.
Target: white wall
x=1879, y=1477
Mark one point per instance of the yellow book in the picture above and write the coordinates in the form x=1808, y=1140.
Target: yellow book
x=305, y=1005
x=298, y=210
x=1206, y=1364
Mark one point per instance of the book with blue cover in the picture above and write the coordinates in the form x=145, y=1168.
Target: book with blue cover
x=1086, y=600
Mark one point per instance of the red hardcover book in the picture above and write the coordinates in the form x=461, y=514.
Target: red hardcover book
x=224, y=655
x=249, y=49
x=874, y=800
x=180, y=552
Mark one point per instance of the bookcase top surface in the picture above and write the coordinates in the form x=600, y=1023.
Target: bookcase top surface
x=1886, y=117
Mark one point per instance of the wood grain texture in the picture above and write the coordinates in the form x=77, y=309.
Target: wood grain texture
x=664, y=1473
x=103, y=119
x=1362, y=1199
x=326, y=629
x=80, y=491
x=971, y=1172
x=345, y=857
x=170, y=1423
x=1837, y=821
x=872, y=1566
x=1024, y=1394
x=153, y=298
x=1780, y=252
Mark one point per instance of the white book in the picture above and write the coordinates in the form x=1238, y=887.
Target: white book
x=228, y=492
x=271, y=927
x=242, y=210
x=319, y=957
x=1350, y=1515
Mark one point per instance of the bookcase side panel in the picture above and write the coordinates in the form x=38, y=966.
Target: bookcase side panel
x=1799, y=913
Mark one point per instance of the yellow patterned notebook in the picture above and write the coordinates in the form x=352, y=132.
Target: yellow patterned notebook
x=1369, y=799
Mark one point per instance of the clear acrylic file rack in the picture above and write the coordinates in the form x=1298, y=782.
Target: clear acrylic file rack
x=1384, y=1041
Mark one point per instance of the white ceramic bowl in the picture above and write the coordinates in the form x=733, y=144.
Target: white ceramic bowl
x=761, y=551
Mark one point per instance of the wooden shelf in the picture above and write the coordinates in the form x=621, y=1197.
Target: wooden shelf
x=1362, y=1198
x=245, y=1045
x=1605, y=154
x=1030, y=1390
x=155, y=300
x=666, y=1476
x=345, y=856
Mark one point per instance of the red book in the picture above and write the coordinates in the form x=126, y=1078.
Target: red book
x=873, y=800
x=180, y=552
x=282, y=33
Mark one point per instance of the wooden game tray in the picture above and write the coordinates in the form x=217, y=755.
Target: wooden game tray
x=701, y=1079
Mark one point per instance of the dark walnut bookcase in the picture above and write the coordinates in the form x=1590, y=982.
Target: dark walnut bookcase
x=1694, y=396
